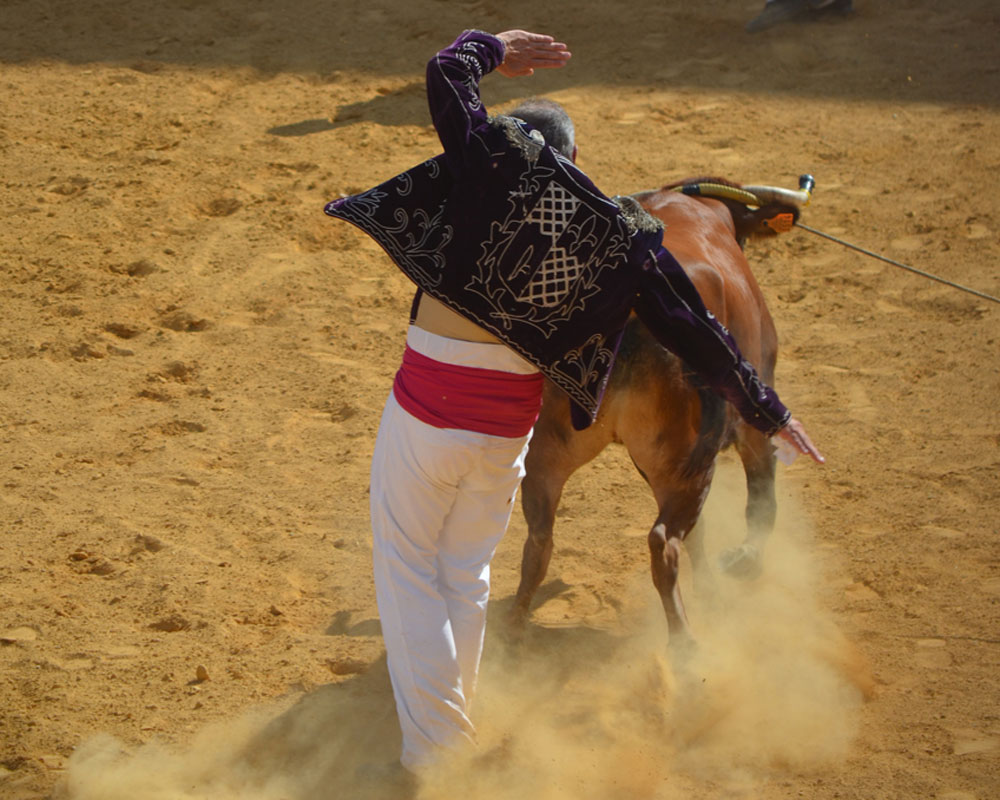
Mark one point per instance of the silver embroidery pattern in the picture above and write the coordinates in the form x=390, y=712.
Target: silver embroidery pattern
x=636, y=217
x=543, y=262
x=416, y=240
x=552, y=281
x=529, y=145
x=591, y=360
x=469, y=54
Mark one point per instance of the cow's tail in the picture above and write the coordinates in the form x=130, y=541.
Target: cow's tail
x=711, y=431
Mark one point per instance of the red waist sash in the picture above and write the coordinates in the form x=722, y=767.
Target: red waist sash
x=468, y=398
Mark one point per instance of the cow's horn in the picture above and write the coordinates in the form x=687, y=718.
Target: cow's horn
x=708, y=189
x=790, y=197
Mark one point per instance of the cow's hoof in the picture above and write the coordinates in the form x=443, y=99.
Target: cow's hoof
x=682, y=648
x=512, y=632
x=744, y=562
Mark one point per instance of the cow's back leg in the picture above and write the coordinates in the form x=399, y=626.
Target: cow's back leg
x=555, y=453
x=661, y=431
x=757, y=454
x=680, y=504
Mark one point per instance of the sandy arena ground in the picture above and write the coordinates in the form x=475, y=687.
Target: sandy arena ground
x=193, y=360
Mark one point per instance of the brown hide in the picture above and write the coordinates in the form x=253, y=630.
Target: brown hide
x=673, y=428
x=701, y=234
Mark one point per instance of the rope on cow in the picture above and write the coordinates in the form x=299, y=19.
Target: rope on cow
x=762, y=194
x=899, y=264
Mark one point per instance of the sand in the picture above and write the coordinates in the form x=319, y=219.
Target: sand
x=193, y=361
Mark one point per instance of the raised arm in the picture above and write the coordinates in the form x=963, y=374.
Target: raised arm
x=453, y=77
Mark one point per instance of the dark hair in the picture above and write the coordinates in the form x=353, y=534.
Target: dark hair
x=551, y=120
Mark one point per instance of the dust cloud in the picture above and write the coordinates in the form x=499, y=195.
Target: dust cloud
x=773, y=685
x=574, y=711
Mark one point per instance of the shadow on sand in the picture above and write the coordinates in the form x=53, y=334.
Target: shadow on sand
x=916, y=51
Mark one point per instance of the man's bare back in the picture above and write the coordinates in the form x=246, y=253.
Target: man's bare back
x=435, y=317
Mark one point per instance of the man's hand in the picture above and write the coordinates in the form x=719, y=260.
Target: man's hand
x=795, y=434
x=525, y=52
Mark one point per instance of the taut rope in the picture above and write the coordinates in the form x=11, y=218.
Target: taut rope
x=920, y=272
x=758, y=195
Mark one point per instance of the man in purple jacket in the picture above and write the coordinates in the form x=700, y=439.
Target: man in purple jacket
x=524, y=271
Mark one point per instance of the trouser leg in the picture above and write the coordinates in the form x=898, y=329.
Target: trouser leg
x=409, y=504
x=471, y=533
x=440, y=503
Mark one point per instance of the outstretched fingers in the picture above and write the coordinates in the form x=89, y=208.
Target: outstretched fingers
x=524, y=52
x=795, y=434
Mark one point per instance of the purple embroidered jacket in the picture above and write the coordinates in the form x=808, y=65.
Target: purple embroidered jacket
x=512, y=235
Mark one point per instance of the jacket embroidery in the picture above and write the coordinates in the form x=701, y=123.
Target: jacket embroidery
x=529, y=144
x=636, y=217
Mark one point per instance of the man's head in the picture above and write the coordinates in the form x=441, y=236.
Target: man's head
x=551, y=120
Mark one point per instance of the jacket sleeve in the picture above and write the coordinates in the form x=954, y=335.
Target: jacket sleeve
x=671, y=308
x=453, y=77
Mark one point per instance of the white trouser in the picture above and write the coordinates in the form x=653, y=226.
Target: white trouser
x=440, y=503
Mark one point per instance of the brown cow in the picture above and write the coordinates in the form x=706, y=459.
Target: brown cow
x=672, y=427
